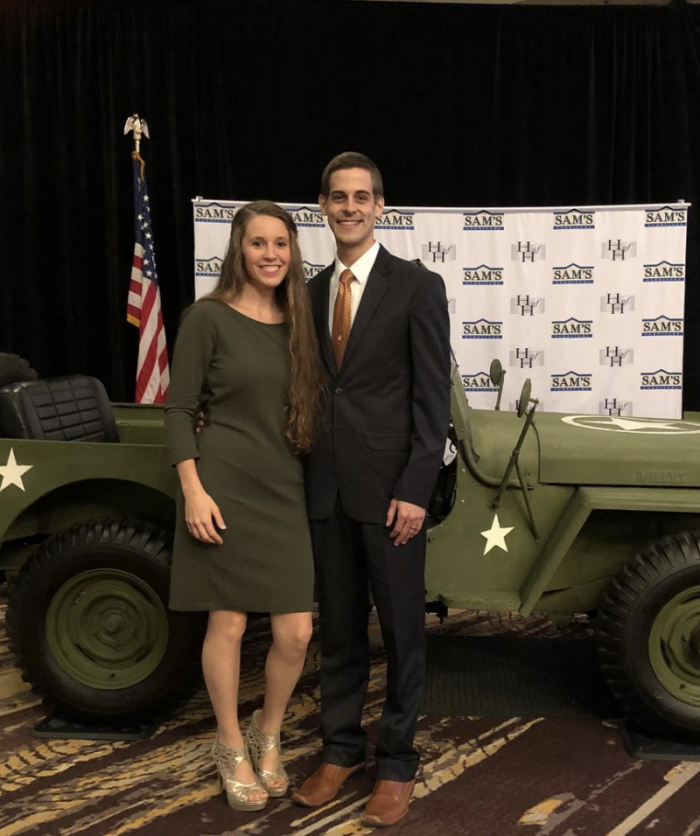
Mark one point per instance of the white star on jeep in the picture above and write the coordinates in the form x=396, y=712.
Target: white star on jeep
x=496, y=536
x=12, y=472
x=628, y=425
x=650, y=426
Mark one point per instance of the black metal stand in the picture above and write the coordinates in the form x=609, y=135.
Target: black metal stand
x=57, y=727
x=641, y=744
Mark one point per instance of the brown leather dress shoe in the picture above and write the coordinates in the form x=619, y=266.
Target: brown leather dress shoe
x=324, y=784
x=388, y=804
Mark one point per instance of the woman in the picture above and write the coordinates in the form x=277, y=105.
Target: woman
x=247, y=353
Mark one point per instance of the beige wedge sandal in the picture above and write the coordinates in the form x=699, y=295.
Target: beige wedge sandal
x=259, y=744
x=238, y=794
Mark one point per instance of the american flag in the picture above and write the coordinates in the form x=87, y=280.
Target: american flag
x=143, y=306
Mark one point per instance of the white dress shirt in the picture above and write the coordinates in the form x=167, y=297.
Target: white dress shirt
x=360, y=270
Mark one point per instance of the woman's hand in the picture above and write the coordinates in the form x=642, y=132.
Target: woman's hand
x=202, y=517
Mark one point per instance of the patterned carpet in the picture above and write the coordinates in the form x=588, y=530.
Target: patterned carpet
x=492, y=777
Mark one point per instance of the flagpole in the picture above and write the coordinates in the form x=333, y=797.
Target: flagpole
x=140, y=128
x=143, y=304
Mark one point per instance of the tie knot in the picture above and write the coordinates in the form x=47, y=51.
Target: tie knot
x=346, y=277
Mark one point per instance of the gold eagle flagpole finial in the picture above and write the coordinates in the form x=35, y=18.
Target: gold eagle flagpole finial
x=140, y=128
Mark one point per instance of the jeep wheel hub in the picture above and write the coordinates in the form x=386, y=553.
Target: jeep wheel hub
x=674, y=646
x=107, y=628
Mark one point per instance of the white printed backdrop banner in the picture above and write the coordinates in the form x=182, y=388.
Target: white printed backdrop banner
x=588, y=302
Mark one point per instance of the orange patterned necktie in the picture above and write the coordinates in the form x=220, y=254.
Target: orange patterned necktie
x=342, y=316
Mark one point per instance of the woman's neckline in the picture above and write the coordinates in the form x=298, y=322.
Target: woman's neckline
x=251, y=318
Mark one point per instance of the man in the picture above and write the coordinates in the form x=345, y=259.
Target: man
x=383, y=329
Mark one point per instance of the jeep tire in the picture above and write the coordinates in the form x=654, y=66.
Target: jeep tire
x=88, y=621
x=648, y=637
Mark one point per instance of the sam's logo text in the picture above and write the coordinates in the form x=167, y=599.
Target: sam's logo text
x=474, y=221
x=574, y=219
x=311, y=270
x=661, y=379
x=479, y=382
x=208, y=266
x=666, y=216
x=393, y=219
x=571, y=382
x=214, y=213
x=662, y=326
x=572, y=328
x=482, y=329
x=572, y=274
x=483, y=275
x=664, y=271
x=303, y=216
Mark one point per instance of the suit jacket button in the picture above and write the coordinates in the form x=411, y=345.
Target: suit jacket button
x=339, y=391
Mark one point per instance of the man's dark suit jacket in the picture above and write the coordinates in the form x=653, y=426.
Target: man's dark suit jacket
x=388, y=407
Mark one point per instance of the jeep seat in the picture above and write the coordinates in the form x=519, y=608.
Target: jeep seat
x=74, y=408
x=14, y=368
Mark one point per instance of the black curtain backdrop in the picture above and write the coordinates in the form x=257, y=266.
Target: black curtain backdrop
x=459, y=105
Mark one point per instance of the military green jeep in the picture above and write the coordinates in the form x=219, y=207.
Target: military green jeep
x=562, y=514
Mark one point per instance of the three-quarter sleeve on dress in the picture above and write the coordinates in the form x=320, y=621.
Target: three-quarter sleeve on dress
x=194, y=349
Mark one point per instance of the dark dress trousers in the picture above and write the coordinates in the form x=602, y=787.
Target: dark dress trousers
x=383, y=438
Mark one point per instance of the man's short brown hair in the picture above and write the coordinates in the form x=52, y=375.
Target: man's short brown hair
x=352, y=159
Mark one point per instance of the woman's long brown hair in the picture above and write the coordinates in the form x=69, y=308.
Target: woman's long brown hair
x=305, y=389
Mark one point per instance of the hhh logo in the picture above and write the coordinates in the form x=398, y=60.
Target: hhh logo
x=616, y=303
x=614, y=406
x=214, y=213
x=393, y=219
x=479, y=382
x=209, y=267
x=482, y=329
x=304, y=216
x=571, y=382
x=527, y=252
x=526, y=358
x=662, y=326
x=527, y=305
x=572, y=328
x=311, y=270
x=572, y=274
x=666, y=216
x=574, y=219
x=474, y=221
x=614, y=356
x=664, y=271
x=437, y=251
x=618, y=250
x=661, y=379
x=482, y=275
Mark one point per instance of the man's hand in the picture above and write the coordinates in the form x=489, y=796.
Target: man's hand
x=409, y=520
x=199, y=423
x=202, y=517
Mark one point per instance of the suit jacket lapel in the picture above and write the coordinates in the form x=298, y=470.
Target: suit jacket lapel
x=321, y=316
x=376, y=288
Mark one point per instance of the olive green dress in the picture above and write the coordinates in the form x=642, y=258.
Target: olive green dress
x=237, y=368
